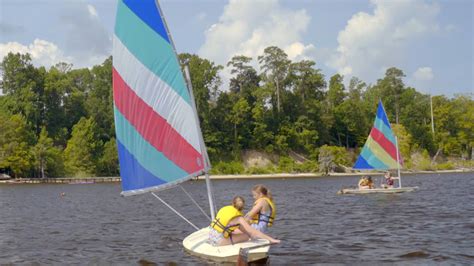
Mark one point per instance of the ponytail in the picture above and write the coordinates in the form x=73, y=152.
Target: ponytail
x=239, y=205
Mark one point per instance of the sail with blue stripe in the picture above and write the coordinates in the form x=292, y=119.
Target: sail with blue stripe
x=380, y=151
x=158, y=136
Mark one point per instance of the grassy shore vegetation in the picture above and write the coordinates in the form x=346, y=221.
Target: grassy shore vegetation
x=59, y=121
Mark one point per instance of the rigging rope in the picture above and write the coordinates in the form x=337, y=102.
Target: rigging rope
x=213, y=197
x=175, y=211
x=195, y=203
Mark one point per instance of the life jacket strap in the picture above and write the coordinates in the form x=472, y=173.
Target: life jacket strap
x=269, y=217
x=225, y=229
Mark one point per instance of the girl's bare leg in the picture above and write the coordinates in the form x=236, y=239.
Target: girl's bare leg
x=246, y=228
x=236, y=238
x=245, y=232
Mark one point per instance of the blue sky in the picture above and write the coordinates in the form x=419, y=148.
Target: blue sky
x=431, y=41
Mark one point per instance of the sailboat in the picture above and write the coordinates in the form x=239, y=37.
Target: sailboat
x=380, y=152
x=159, y=139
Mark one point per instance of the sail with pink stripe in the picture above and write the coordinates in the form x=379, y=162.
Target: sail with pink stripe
x=158, y=137
x=380, y=151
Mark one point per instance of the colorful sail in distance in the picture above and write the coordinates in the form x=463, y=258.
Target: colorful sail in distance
x=380, y=149
x=157, y=135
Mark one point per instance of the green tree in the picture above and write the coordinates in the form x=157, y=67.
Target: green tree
x=330, y=157
x=446, y=128
x=335, y=97
x=48, y=161
x=415, y=117
x=56, y=83
x=205, y=80
x=99, y=103
x=15, y=142
x=238, y=115
x=275, y=66
x=306, y=136
x=75, y=96
x=404, y=143
x=454, y=123
x=220, y=138
x=309, y=82
x=389, y=89
x=353, y=116
x=245, y=78
x=82, y=151
x=465, y=107
x=23, y=84
x=108, y=163
x=336, y=91
x=262, y=137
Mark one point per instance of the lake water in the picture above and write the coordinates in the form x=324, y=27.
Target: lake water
x=93, y=224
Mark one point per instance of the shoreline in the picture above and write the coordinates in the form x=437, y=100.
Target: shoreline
x=92, y=180
x=318, y=175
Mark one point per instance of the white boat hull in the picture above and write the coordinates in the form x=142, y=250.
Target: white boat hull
x=376, y=190
x=196, y=244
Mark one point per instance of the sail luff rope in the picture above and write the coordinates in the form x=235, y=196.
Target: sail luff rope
x=203, y=212
x=175, y=211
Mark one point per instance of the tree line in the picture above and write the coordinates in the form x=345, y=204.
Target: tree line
x=59, y=121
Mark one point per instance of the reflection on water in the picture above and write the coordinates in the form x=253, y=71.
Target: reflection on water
x=93, y=224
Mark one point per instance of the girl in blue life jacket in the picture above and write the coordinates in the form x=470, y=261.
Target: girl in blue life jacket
x=230, y=227
x=263, y=212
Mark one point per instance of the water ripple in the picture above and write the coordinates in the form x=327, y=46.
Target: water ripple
x=92, y=224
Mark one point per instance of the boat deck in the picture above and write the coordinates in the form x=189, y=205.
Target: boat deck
x=376, y=190
x=196, y=244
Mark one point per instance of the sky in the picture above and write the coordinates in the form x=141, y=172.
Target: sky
x=430, y=40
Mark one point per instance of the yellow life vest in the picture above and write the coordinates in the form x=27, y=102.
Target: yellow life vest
x=258, y=217
x=223, y=217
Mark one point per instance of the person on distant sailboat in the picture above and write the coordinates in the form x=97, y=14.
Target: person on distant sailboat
x=363, y=182
x=388, y=180
x=230, y=226
x=262, y=215
x=370, y=183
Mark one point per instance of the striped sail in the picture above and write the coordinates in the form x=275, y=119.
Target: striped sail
x=157, y=134
x=380, y=149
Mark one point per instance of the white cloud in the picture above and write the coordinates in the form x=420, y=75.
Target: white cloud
x=92, y=11
x=80, y=37
x=47, y=54
x=423, y=74
x=247, y=27
x=86, y=38
x=298, y=51
x=370, y=42
x=43, y=53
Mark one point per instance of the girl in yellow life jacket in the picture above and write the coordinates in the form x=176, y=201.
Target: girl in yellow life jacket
x=230, y=227
x=363, y=183
x=263, y=213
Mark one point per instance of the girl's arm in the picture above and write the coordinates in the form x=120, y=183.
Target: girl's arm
x=255, y=209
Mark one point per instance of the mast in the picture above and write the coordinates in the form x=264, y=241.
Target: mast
x=193, y=104
x=201, y=140
x=398, y=164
